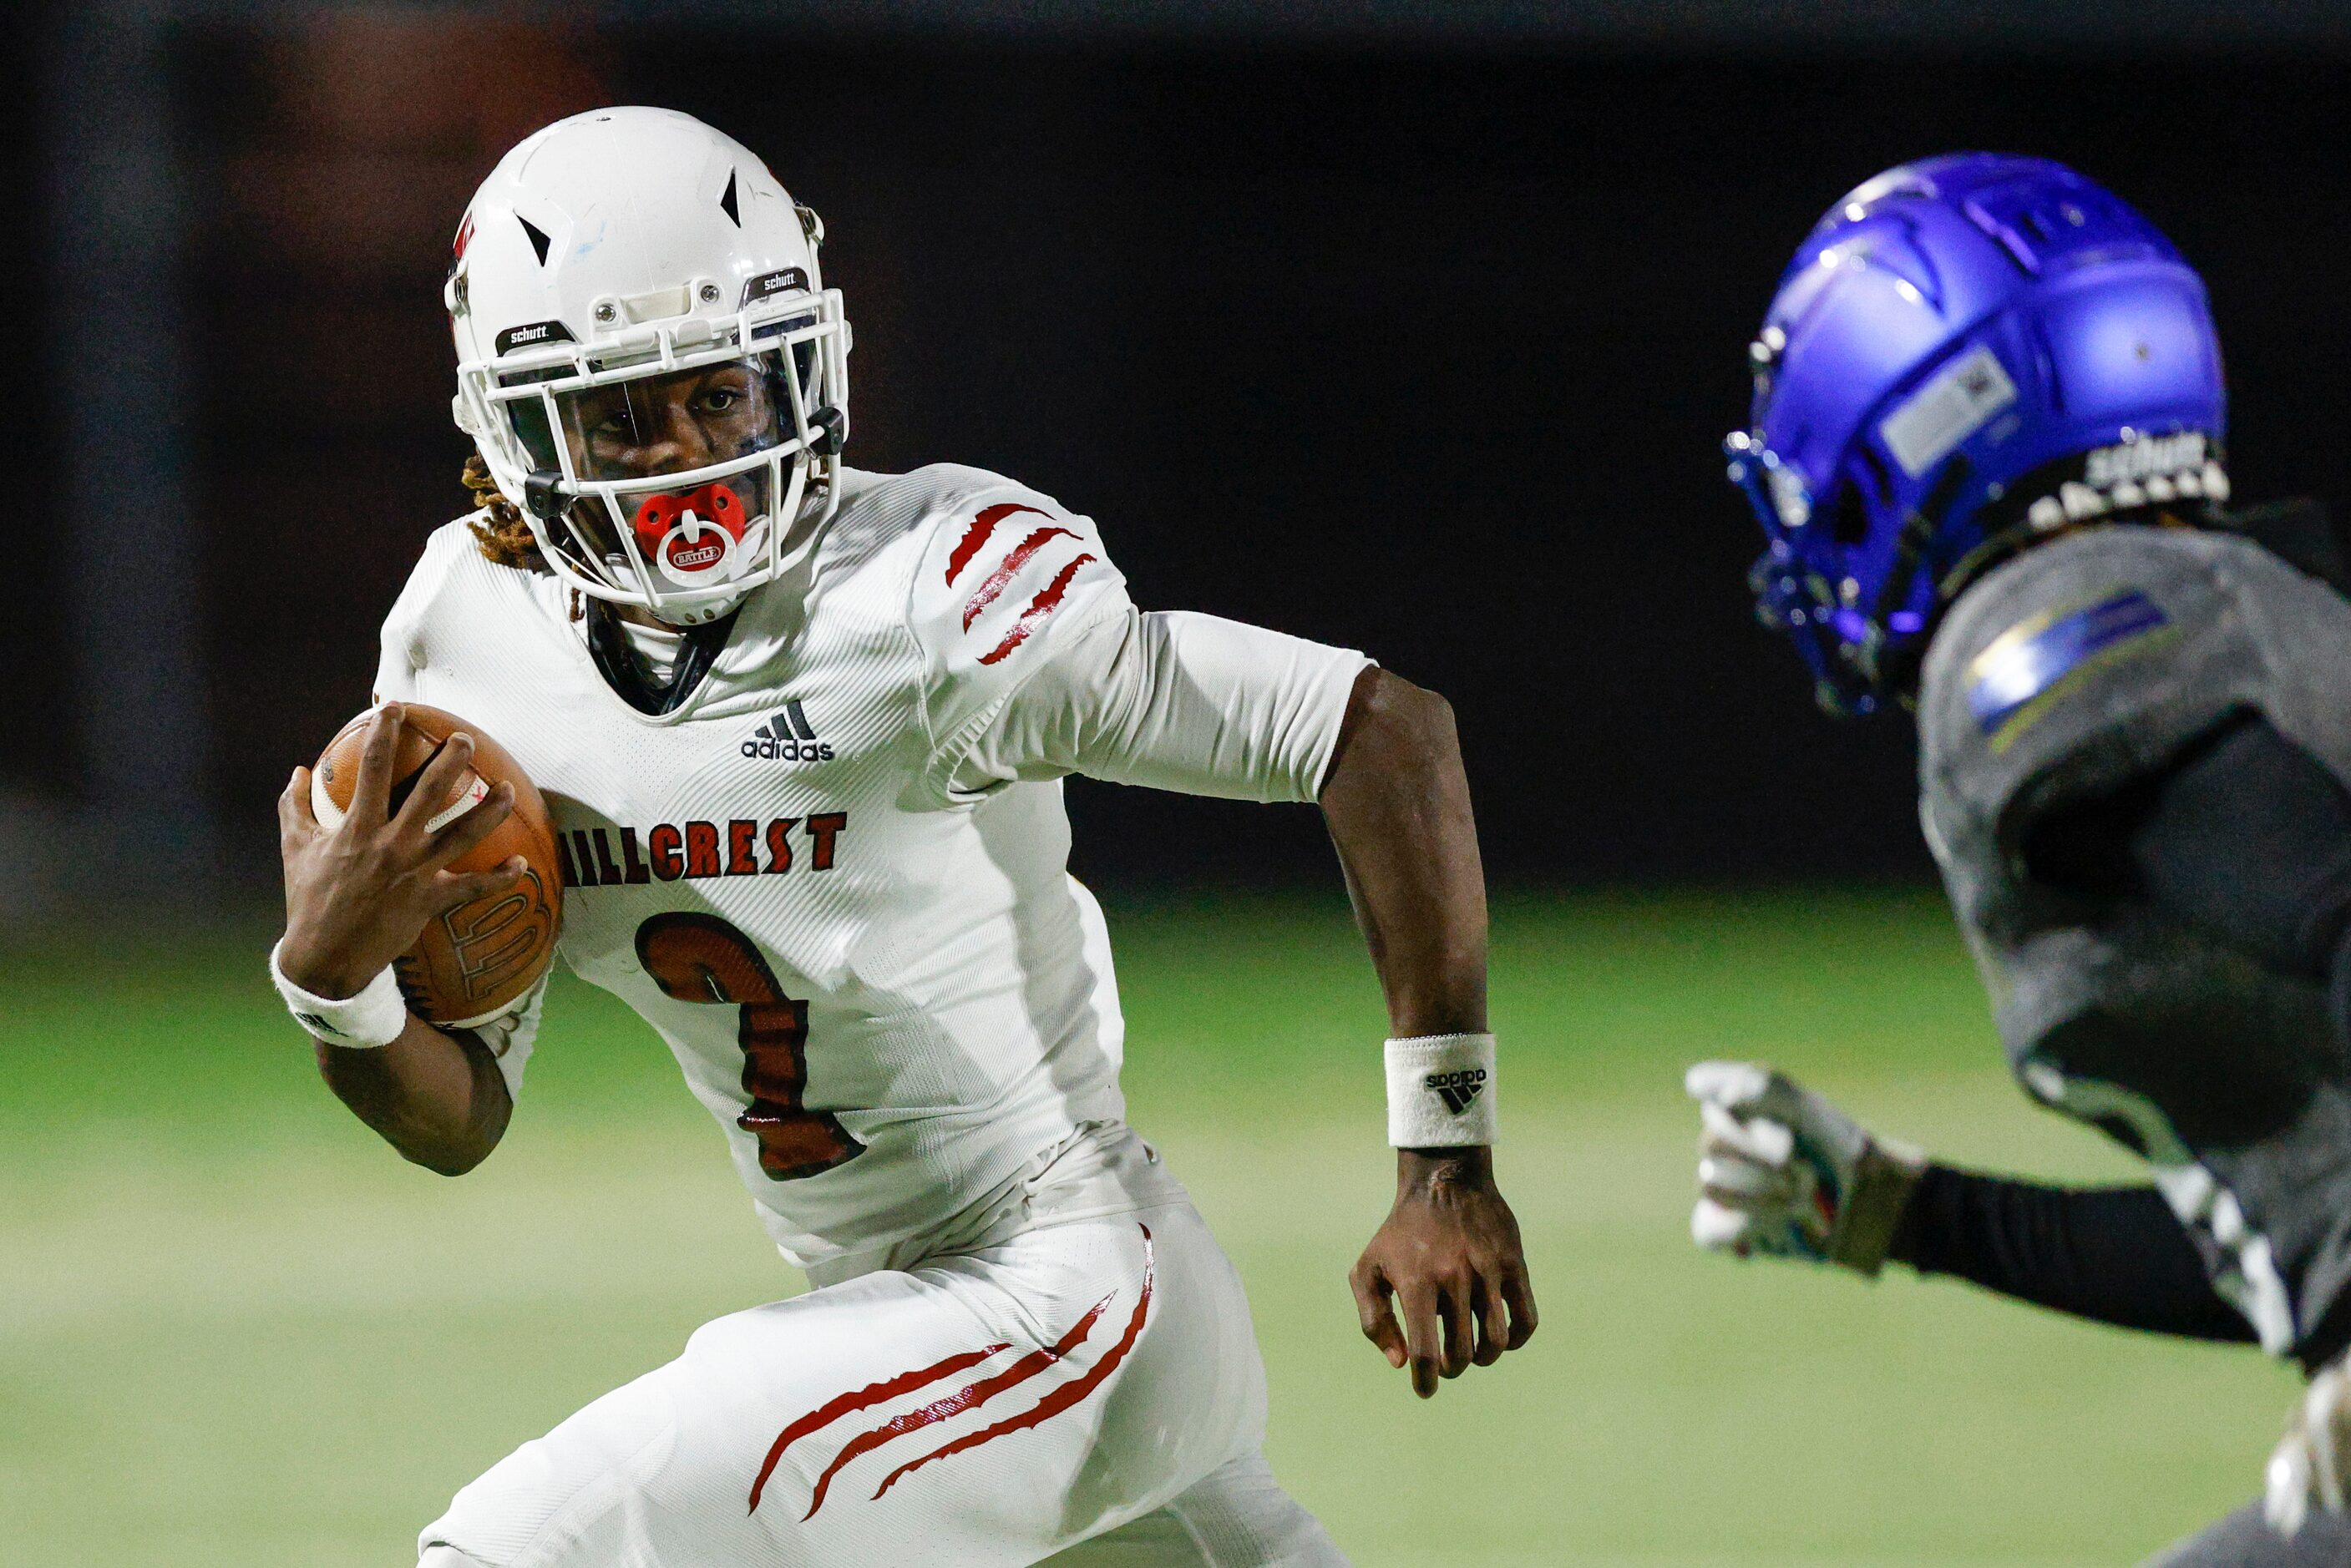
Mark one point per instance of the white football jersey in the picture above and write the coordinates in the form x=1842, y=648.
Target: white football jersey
x=833, y=877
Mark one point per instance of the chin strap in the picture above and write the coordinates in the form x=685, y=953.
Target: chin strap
x=698, y=649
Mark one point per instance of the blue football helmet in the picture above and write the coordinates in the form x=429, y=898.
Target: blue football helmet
x=1966, y=355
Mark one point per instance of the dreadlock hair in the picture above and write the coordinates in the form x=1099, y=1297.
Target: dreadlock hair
x=503, y=536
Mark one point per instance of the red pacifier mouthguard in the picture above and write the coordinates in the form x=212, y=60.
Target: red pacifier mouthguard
x=714, y=504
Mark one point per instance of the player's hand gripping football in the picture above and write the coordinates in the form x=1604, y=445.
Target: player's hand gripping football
x=358, y=894
x=1782, y=1172
x=1448, y=1255
x=2312, y=1463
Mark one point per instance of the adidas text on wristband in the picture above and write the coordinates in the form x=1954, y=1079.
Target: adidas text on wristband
x=1441, y=1091
x=374, y=1017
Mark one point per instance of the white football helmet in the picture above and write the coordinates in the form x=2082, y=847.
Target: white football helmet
x=648, y=359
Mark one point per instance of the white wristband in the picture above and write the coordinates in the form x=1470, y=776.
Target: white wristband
x=373, y=1018
x=1441, y=1091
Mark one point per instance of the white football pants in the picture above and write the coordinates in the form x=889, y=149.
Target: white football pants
x=1089, y=1388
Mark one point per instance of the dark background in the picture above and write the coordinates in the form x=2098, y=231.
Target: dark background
x=1422, y=348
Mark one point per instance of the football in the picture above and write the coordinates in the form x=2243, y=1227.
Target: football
x=473, y=961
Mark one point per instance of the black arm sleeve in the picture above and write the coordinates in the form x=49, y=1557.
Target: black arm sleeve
x=2115, y=1254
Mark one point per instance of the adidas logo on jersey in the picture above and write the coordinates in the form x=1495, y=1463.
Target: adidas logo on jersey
x=787, y=737
x=1457, y=1089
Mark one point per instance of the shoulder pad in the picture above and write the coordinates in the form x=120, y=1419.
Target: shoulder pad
x=402, y=640
x=2301, y=533
x=1003, y=576
x=998, y=568
x=2078, y=666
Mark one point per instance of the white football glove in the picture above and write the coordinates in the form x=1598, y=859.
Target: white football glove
x=1782, y=1172
x=2312, y=1463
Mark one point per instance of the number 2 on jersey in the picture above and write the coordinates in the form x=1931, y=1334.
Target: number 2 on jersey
x=701, y=958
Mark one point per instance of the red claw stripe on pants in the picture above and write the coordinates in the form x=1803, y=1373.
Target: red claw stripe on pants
x=970, y=1396
x=1059, y=1399
x=872, y=1394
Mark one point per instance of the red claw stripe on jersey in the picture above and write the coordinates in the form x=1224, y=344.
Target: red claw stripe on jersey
x=994, y=584
x=1059, y=1399
x=860, y=1399
x=970, y=1396
x=982, y=526
x=1043, y=605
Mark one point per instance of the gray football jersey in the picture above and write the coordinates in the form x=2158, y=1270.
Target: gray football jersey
x=2068, y=672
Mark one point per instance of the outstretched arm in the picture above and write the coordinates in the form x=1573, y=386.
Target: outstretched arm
x=2112, y=1254
x=1397, y=804
x=1185, y=701
x=1784, y=1173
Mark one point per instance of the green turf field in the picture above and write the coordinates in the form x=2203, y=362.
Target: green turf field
x=234, y=1329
